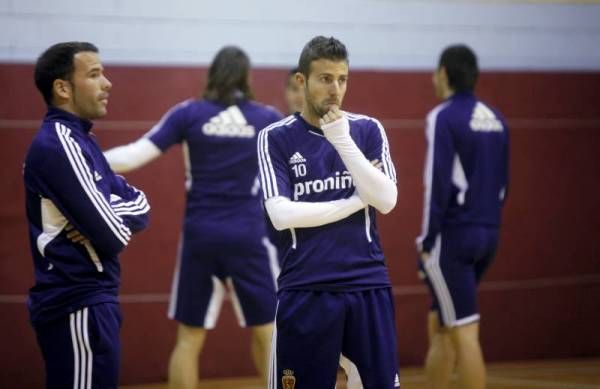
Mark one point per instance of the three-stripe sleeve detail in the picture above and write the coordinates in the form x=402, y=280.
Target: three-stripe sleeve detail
x=386, y=159
x=138, y=206
x=86, y=180
x=267, y=172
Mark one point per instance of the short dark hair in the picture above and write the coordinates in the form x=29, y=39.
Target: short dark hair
x=321, y=47
x=228, y=76
x=57, y=63
x=461, y=67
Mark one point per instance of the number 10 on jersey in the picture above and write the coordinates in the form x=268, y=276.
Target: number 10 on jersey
x=299, y=169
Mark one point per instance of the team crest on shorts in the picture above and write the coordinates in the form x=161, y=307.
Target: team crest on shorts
x=288, y=380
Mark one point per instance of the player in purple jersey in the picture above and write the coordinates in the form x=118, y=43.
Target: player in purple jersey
x=324, y=174
x=466, y=181
x=347, y=375
x=224, y=245
x=80, y=215
x=294, y=94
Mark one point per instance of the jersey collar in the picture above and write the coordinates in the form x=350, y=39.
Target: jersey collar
x=307, y=126
x=77, y=122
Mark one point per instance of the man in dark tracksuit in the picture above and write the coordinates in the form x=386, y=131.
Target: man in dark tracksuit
x=466, y=181
x=81, y=215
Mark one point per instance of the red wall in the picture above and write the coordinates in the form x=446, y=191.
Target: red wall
x=540, y=299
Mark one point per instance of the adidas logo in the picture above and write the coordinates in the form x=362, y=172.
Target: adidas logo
x=97, y=176
x=483, y=119
x=396, y=381
x=229, y=123
x=297, y=158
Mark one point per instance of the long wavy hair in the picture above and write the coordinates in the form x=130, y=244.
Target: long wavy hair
x=228, y=76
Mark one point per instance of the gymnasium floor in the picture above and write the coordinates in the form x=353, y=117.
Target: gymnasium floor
x=570, y=374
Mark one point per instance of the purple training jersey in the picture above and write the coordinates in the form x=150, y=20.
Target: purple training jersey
x=69, y=183
x=466, y=171
x=296, y=161
x=219, y=146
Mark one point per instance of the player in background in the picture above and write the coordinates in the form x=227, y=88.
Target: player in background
x=294, y=93
x=80, y=215
x=224, y=246
x=466, y=183
x=324, y=174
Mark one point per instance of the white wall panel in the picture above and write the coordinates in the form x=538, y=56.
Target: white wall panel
x=380, y=34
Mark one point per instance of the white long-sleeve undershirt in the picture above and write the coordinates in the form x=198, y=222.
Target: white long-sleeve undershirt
x=132, y=156
x=285, y=214
x=374, y=187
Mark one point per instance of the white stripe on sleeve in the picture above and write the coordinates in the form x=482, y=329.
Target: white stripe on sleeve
x=88, y=178
x=267, y=173
x=83, y=174
x=138, y=202
x=386, y=159
x=261, y=169
x=428, y=171
x=137, y=207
